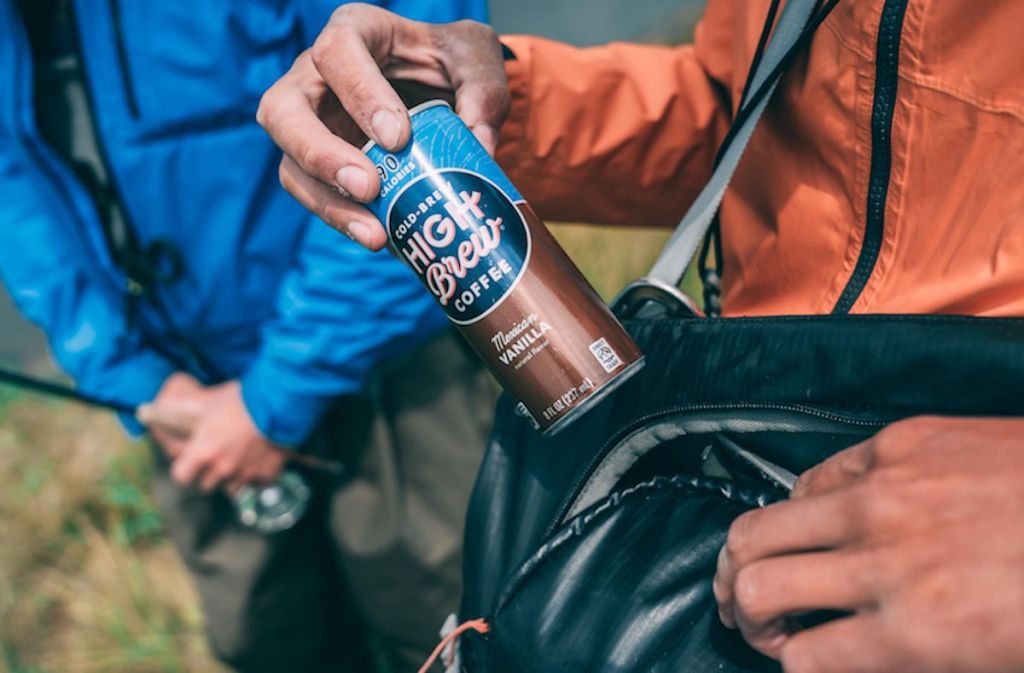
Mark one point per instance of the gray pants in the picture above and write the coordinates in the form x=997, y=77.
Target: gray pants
x=378, y=556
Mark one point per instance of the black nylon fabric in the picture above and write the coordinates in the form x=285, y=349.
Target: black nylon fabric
x=625, y=585
x=670, y=598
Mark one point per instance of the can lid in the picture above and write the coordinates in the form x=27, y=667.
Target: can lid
x=413, y=111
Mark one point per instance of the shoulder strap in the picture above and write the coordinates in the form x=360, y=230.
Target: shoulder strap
x=788, y=36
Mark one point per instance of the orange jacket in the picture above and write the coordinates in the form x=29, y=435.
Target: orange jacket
x=626, y=134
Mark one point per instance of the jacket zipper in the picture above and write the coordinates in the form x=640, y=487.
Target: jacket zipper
x=886, y=81
x=202, y=367
x=692, y=409
x=122, y=60
x=63, y=186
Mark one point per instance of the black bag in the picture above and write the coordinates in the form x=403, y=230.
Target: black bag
x=594, y=550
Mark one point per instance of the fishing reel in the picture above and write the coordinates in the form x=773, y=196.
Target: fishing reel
x=275, y=507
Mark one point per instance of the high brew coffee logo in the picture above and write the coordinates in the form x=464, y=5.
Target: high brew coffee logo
x=463, y=237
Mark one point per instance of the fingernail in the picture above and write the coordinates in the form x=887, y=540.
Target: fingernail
x=387, y=128
x=359, y=232
x=353, y=181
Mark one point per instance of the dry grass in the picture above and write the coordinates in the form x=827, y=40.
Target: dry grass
x=87, y=582
x=611, y=258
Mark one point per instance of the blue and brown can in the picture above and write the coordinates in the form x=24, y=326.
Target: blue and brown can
x=457, y=221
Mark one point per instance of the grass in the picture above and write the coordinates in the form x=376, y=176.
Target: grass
x=88, y=581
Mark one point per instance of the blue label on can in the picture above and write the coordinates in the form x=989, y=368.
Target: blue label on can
x=452, y=216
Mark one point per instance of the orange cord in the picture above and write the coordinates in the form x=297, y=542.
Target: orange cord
x=478, y=625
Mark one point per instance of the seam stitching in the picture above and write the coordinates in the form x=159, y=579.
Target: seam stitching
x=1015, y=111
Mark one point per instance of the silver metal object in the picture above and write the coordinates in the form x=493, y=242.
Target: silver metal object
x=645, y=290
x=276, y=507
x=777, y=474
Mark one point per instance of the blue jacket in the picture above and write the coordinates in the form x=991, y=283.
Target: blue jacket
x=269, y=294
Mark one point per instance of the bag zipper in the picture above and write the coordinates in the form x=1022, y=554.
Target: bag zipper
x=617, y=438
x=886, y=83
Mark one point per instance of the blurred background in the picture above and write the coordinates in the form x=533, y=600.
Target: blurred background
x=88, y=582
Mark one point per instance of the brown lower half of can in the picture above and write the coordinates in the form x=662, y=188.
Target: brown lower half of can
x=552, y=343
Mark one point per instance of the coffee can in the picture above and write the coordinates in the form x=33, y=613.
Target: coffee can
x=455, y=219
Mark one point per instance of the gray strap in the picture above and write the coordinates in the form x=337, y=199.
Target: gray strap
x=681, y=248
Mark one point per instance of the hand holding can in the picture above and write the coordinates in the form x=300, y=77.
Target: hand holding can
x=449, y=212
x=457, y=221
x=336, y=96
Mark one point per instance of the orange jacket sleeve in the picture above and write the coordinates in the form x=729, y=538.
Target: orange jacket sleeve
x=622, y=134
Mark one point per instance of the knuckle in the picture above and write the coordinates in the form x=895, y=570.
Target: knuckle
x=876, y=506
x=857, y=461
x=795, y=657
x=738, y=540
x=870, y=571
x=264, y=111
x=349, y=11
x=324, y=46
x=229, y=466
x=360, y=93
x=874, y=495
x=475, y=28
x=804, y=483
x=889, y=437
x=496, y=98
x=485, y=31
x=899, y=439
x=850, y=517
x=747, y=592
x=334, y=36
x=315, y=161
x=321, y=204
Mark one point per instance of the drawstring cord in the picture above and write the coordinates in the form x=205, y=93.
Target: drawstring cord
x=479, y=625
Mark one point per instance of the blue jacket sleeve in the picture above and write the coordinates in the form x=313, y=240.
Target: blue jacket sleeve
x=316, y=12
x=341, y=310
x=55, y=285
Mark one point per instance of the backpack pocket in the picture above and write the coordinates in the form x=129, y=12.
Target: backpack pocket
x=622, y=579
